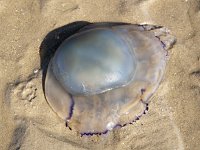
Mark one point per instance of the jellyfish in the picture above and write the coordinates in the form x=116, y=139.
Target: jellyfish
x=103, y=76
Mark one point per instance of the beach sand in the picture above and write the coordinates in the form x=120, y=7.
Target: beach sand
x=28, y=123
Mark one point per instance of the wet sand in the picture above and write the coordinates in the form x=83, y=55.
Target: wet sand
x=27, y=121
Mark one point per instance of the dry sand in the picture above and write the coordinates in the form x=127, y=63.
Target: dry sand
x=28, y=123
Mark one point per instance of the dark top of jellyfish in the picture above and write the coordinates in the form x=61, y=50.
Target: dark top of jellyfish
x=93, y=62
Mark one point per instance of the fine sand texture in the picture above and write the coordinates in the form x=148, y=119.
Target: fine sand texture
x=29, y=28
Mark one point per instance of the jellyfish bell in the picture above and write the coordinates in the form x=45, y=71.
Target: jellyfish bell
x=94, y=62
x=103, y=76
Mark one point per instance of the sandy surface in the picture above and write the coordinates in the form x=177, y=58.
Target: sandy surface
x=28, y=123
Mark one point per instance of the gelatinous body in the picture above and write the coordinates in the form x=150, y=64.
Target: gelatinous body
x=97, y=53
x=104, y=75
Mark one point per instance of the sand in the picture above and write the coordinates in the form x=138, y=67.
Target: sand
x=28, y=123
